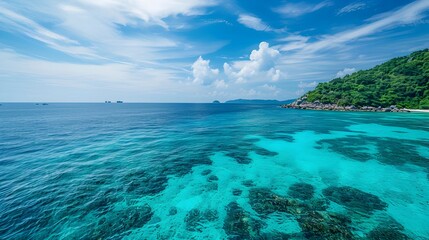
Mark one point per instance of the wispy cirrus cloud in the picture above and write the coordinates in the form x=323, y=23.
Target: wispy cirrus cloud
x=253, y=22
x=298, y=9
x=14, y=22
x=256, y=23
x=353, y=7
x=408, y=14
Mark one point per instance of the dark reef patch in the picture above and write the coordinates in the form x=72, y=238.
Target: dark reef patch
x=351, y=147
x=238, y=224
x=206, y=172
x=264, y=202
x=390, y=150
x=142, y=182
x=172, y=211
x=303, y=191
x=248, y=183
x=264, y=152
x=390, y=229
x=236, y=192
x=240, y=157
x=195, y=219
x=212, y=178
x=355, y=199
x=325, y=225
x=118, y=223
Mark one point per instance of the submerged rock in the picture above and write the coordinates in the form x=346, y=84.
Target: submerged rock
x=172, y=211
x=144, y=183
x=212, y=178
x=118, y=223
x=355, y=199
x=317, y=204
x=264, y=152
x=240, y=156
x=236, y=192
x=264, y=201
x=383, y=233
x=325, y=225
x=390, y=229
x=303, y=191
x=248, y=183
x=206, y=172
x=210, y=215
x=239, y=225
x=195, y=219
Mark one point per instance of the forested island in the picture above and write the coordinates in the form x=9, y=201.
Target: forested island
x=259, y=101
x=398, y=84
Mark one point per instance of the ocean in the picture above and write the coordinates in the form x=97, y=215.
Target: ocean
x=211, y=171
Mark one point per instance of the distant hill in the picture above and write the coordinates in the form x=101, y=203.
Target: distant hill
x=259, y=101
x=402, y=81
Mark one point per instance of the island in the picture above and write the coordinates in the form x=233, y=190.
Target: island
x=259, y=101
x=215, y=102
x=397, y=85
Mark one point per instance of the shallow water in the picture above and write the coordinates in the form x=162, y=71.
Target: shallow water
x=211, y=171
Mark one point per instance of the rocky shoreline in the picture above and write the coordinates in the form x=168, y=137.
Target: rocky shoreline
x=303, y=104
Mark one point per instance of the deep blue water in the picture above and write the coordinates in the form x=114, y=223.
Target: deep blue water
x=211, y=171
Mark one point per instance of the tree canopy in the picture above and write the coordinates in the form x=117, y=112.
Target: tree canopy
x=402, y=81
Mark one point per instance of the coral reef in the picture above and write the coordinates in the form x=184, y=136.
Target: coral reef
x=303, y=191
x=354, y=199
x=239, y=225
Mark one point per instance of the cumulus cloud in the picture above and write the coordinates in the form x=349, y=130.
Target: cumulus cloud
x=202, y=72
x=353, y=7
x=261, y=65
x=298, y=9
x=220, y=84
x=345, y=72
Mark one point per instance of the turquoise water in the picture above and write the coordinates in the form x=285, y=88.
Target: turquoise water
x=207, y=171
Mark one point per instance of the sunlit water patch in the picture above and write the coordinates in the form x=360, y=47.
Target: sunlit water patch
x=201, y=171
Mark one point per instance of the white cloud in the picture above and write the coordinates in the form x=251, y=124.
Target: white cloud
x=298, y=9
x=353, y=7
x=293, y=42
x=307, y=85
x=257, y=24
x=220, y=84
x=274, y=74
x=253, y=22
x=151, y=11
x=261, y=64
x=92, y=29
x=345, y=72
x=12, y=21
x=406, y=15
x=202, y=72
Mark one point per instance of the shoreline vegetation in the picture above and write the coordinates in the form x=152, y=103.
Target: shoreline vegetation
x=398, y=85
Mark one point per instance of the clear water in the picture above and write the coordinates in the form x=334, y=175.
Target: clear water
x=207, y=171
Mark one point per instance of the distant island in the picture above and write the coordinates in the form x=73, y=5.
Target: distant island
x=397, y=85
x=259, y=101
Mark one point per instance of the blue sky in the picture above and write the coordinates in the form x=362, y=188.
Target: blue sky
x=196, y=50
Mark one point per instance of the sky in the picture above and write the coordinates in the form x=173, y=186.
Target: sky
x=196, y=50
